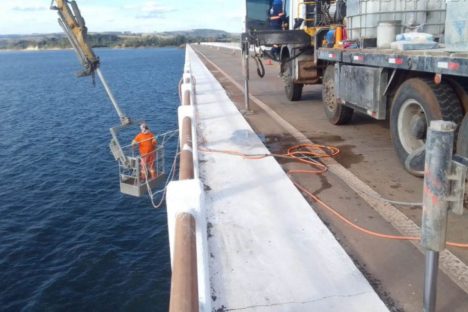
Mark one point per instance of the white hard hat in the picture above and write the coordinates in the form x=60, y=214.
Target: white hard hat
x=144, y=126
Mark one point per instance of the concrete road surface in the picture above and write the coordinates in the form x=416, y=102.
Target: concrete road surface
x=394, y=268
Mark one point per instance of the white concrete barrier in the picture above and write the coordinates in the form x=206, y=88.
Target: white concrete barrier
x=187, y=196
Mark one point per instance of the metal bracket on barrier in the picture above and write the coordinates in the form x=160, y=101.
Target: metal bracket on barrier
x=457, y=184
x=187, y=78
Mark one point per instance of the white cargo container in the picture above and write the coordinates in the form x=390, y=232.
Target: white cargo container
x=363, y=16
x=456, y=26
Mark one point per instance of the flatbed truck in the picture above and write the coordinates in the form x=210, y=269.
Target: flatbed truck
x=410, y=88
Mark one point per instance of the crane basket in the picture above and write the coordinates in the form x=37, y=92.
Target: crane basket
x=134, y=169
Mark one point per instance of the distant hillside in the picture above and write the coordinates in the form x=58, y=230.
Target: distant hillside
x=204, y=33
x=32, y=37
x=116, y=39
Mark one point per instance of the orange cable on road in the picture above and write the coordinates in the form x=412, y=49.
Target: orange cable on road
x=347, y=221
x=308, y=154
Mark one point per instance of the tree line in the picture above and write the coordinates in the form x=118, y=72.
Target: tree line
x=109, y=41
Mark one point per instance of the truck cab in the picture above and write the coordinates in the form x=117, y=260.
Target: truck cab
x=304, y=27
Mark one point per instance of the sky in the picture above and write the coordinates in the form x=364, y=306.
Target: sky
x=34, y=16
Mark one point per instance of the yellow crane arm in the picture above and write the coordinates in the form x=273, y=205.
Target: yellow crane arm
x=74, y=26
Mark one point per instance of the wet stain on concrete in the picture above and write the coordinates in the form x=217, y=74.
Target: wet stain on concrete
x=277, y=144
x=244, y=137
x=347, y=157
x=209, y=226
x=325, y=185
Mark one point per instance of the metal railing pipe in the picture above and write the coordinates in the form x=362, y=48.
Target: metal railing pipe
x=184, y=284
x=186, y=154
x=185, y=96
x=186, y=89
x=246, y=74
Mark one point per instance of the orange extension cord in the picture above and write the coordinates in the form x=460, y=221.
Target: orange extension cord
x=308, y=154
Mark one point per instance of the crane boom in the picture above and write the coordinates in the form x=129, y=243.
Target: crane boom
x=74, y=26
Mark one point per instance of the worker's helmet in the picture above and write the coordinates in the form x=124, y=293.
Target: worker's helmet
x=144, y=127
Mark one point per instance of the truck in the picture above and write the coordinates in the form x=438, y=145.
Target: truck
x=409, y=83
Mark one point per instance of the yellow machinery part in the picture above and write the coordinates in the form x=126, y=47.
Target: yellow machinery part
x=78, y=32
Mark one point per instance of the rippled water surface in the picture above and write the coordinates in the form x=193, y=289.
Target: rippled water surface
x=69, y=241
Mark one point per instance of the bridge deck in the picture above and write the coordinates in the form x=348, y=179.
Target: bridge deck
x=268, y=249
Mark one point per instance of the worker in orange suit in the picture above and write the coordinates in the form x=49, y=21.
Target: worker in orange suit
x=147, y=144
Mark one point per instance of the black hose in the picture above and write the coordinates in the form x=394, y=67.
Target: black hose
x=259, y=63
x=340, y=12
x=260, y=67
x=286, y=60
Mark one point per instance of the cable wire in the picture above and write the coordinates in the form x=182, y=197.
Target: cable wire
x=170, y=177
x=309, y=154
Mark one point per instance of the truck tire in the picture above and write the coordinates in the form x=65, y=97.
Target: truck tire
x=337, y=113
x=460, y=86
x=462, y=142
x=293, y=90
x=416, y=103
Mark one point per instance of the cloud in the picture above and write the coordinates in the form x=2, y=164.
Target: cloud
x=123, y=15
x=25, y=6
x=151, y=9
x=29, y=9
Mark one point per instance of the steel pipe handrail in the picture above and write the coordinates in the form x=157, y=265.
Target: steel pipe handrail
x=184, y=284
x=186, y=171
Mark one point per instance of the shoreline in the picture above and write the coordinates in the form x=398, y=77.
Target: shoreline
x=66, y=49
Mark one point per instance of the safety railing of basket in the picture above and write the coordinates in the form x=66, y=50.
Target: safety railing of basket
x=135, y=167
x=145, y=174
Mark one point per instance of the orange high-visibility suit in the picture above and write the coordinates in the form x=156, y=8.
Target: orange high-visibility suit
x=147, y=144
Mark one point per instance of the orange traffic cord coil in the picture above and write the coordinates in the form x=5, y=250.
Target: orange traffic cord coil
x=310, y=154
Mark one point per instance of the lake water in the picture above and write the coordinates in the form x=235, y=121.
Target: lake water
x=69, y=241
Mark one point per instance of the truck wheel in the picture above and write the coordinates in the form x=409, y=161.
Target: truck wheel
x=462, y=142
x=337, y=113
x=293, y=90
x=461, y=90
x=416, y=103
